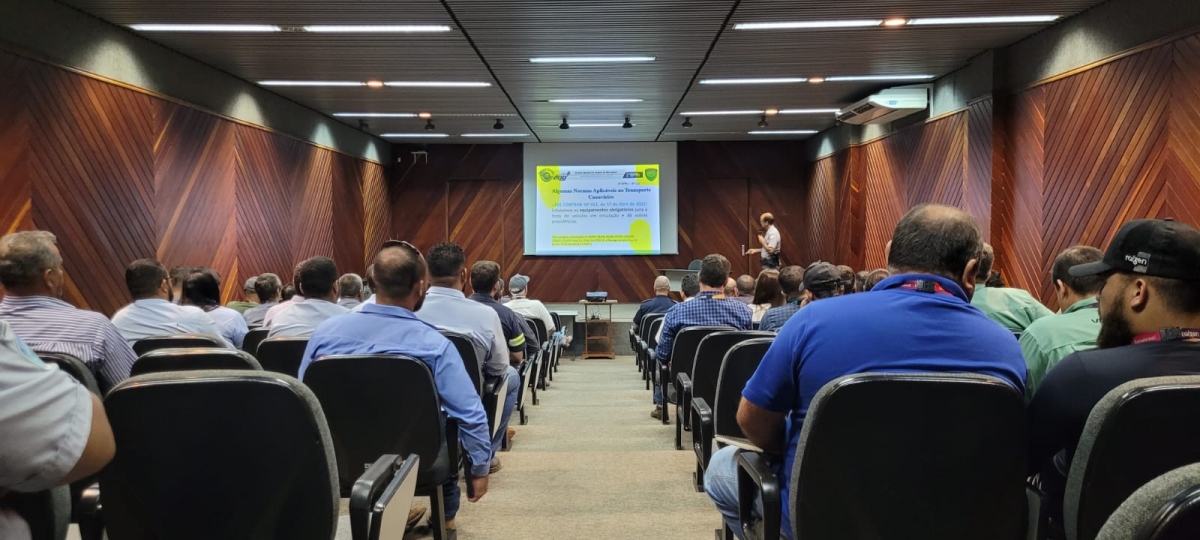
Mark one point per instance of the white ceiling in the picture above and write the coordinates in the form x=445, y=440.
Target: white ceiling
x=505, y=34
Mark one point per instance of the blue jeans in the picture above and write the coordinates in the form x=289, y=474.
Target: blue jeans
x=720, y=482
x=510, y=403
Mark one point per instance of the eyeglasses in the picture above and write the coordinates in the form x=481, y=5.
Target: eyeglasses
x=399, y=243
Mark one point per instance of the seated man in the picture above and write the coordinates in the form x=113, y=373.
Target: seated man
x=660, y=303
x=178, y=274
x=203, y=290
x=1014, y=309
x=791, y=280
x=689, y=287
x=350, y=291
x=55, y=431
x=268, y=288
x=933, y=263
x=731, y=289
x=709, y=308
x=873, y=279
x=288, y=294
x=447, y=308
x=518, y=286
x=1049, y=339
x=152, y=313
x=31, y=272
x=317, y=281
x=847, y=275
x=251, y=296
x=1149, y=316
x=745, y=289
x=521, y=340
x=389, y=326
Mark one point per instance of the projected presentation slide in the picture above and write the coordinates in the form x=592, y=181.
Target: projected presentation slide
x=598, y=209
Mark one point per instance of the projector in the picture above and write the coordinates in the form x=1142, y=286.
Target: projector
x=600, y=296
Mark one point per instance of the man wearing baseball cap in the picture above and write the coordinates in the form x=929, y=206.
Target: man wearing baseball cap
x=1149, y=327
x=251, y=296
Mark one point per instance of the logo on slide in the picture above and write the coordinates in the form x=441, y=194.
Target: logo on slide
x=547, y=176
x=652, y=174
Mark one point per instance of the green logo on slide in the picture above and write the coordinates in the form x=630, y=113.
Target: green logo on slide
x=547, y=176
x=652, y=174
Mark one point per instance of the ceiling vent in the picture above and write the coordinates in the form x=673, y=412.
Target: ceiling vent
x=886, y=106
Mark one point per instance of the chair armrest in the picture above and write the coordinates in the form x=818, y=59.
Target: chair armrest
x=685, y=382
x=1037, y=513
x=756, y=479
x=91, y=517
x=652, y=355
x=375, y=490
x=703, y=412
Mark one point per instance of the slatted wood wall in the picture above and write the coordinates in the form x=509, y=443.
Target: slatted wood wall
x=118, y=174
x=472, y=195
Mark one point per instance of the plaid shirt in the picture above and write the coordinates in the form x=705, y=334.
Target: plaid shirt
x=709, y=308
x=774, y=318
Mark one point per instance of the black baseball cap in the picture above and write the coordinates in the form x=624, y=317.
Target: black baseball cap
x=822, y=276
x=1152, y=247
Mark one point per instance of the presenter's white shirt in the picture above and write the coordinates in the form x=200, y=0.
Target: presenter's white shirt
x=772, y=240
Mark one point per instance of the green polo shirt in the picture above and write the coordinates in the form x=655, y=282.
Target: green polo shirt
x=240, y=306
x=1014, y=309
x=1050, y=339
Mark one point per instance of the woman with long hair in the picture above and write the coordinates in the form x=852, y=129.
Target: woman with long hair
x=767, y=294
x=202, y=288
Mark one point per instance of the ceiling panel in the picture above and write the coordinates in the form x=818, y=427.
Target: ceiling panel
x=507, y=33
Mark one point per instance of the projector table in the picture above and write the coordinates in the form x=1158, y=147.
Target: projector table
x=597, y=332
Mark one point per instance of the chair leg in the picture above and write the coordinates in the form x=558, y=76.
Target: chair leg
x=698, y=478
x=678, y=428
x=437, y=514
x=524, y=419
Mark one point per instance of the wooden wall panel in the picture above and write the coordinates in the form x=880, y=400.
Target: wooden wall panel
x=312, y=205
x=377, y=208
x=474, y=210
x=1018, y=248
x=1183, y=188
x=16, y=196
x=977, y=179
x=264, y=189
x=348, y=215
x=832, y=232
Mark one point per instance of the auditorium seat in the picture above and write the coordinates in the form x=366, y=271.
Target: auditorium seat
x=642, y=339
x=46, y=512
x=226, y=454
x=683, y=357
x=1167, y=508
x=649, y=356
x=253, y=338
x=492, y=391
x=74, y=367
x=739, y=365
x=539, y=380
x=386, y=404
x=918, y=455
x=162, y=360
x=1137, y=432
x=282, y=354
x=177, y=341
x=701, y=386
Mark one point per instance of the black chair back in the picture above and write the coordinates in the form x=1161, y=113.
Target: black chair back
x=1167, y=508
x=74, y=367
x=647, y=322
x=683, y=354
x=253, y=338
x=911, y=455
x=739, y=364
x=376, y=405
x=48, y=513
x=162, y=360
x=652, y=333
x=557, y=320
x=282, y=354
x=466, y=350
x=538, y=326
x=178, y=341
x=710, y=354
x=218, y=454
x=1137, y=432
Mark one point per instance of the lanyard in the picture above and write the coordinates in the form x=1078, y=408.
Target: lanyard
x=1167, y=334
x=925, y=287
x=713, y=297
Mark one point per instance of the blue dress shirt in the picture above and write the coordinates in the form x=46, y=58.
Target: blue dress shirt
x=381, y=329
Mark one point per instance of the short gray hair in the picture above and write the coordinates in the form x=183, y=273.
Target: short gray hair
x=25, y=255
x=661, y=283
x=349, y=285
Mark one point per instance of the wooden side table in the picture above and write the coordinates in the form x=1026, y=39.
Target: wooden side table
x=597, y=331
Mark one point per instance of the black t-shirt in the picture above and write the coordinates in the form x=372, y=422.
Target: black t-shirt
x=1061, y=406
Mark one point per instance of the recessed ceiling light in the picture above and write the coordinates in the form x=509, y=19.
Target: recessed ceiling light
x=376, y=28
x=375, y=115
x=206, y=28
x=807, y=24
x=415, y=135
x=771, y=112
x=312, y=83
x=374, y=84
x=436, y=84
x=816, y=80
x=495, y=134
x=592, y=125
x=758, y=80
x=895, y=22
x=424, y=115
x=588, y=59
x=783, y=132
x=1002, y=19
x=809, y=111
x=720, y=113
x=879, y=78
x=595, y=100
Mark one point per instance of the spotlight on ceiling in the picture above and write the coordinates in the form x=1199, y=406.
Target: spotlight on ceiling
x=498, y=124
x=430, y=127
x=762, y=121
x=687, y=122
x=627, y=124
x=564, y=124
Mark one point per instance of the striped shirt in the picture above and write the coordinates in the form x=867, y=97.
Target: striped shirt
x=50, y=325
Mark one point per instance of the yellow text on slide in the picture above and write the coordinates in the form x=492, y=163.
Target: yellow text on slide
x=639, y=238
x=549, y=180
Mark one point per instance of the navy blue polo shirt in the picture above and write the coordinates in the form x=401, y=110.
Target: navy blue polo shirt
x=658, y=304
x=888, y=329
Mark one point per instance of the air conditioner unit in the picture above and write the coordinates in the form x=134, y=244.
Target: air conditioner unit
x=886, y=106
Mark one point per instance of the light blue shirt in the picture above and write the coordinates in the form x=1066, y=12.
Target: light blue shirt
x=368, y=301
x=255, y=315
x=450, y=309
x=295, y=319
x=380, y=329
x=233, y=326
x=150, y=317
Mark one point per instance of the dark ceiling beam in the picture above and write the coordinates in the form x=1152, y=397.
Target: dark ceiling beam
x=495, y=77
x=696, y=75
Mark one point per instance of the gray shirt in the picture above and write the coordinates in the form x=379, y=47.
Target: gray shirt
x=450, y=309
x=46, y=417
x=152, y=317
x=255, y=315
x=348, y=302
x=300, y=318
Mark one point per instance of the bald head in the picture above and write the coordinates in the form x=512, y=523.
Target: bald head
x=987, y=257
x=662, y=285
x=936, y=239
x=745, y=285
x=399, y=272
x=730, y=287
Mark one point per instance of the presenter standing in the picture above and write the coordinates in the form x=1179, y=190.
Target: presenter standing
x=769, y=239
